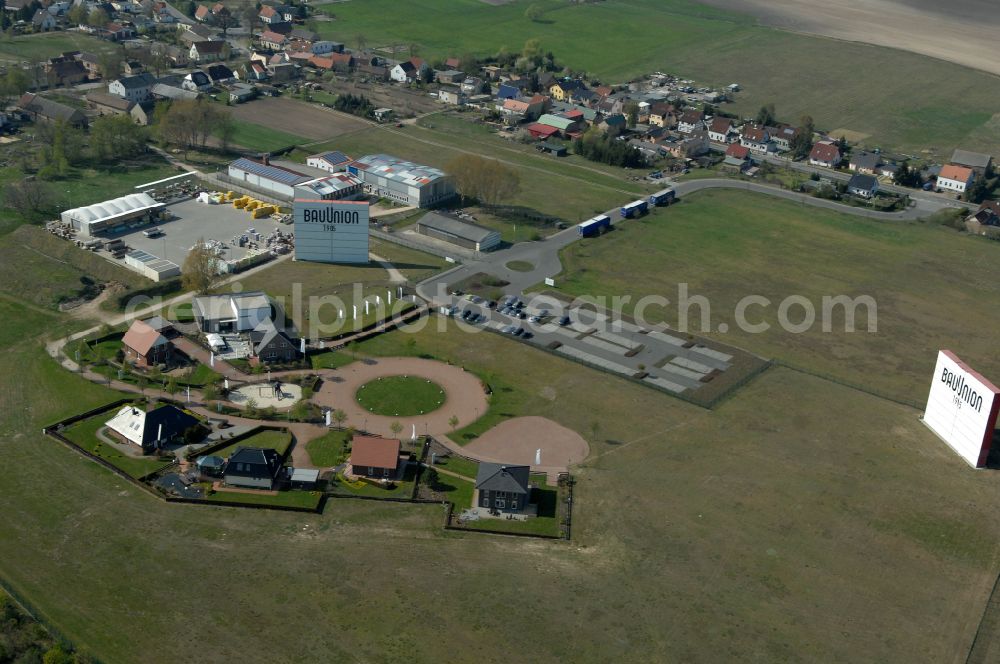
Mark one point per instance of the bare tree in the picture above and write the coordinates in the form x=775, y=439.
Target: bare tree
x=28, y=197
x=201, y=271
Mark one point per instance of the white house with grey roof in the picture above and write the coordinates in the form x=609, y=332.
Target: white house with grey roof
x=133, y=88
x=403, y=181
x=231, y=312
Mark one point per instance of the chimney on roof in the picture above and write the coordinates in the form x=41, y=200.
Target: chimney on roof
x=266, y=159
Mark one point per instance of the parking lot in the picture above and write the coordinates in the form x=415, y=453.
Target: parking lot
x=198, y=221
x=663, y=359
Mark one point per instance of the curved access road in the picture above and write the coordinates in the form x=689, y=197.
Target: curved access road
x=544, y=254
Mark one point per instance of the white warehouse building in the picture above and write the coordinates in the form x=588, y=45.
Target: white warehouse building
x=287, y=180
x=115, y=215
x=403, y=181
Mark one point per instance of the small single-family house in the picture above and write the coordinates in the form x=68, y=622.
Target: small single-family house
x=955, y=178
x=220, y=73
x=272, y=40
x=690, y=121
x=142, y=113
x=737, y=157
x=563, y=89
x=864, y=162
x=133, y=88
x=207, y=51
x=107, y=104
x=332, y=161
x=661, y=114
x=721, y=130
x=825, y=153
x=196, y=81
x=863, y=185
x=145, y=346
x=233, y=312
x=374, y=457
x=502, y=488
x=43, y=21
x=756, y=138
x=252, y=468
x=271, y=344
x=153, y=430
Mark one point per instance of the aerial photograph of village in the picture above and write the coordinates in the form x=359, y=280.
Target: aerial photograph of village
x=516, y=331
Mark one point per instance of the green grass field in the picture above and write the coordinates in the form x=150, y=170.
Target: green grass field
x=263, y=139
x=279, y=441
x=714, y=48
x=306, y=499
x=726, y=245
x=84, y=434
x=403, y=396
x=330, y=449
x=40, y=47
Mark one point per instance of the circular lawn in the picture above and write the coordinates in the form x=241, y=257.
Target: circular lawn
x=402, y=396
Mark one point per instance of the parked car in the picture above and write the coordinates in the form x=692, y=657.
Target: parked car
x=507, y=329
x=564, y=321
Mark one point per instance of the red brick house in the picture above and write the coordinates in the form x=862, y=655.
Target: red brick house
x=146, y=346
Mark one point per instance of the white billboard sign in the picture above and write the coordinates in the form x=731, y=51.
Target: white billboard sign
x=962, y=408
x=331, y=231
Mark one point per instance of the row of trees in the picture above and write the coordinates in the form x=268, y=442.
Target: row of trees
x=355, y=104
x=595, y=145
x=485, y=180
x=188, y=124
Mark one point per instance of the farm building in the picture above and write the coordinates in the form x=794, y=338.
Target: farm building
x=977, y=161
x=115, y=215
x=402, y=181
x=454, y=230
x=151, y=430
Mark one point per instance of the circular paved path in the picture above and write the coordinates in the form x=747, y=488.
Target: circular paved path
x=514, y=441
x=464, y=395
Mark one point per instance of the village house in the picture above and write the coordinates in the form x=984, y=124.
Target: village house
x=564, y=89
x=108, y=104
x=756, y=138
x=252, y=468
x=986, y=217
x=661, y=114
x=864, y=162
x=721, y=130
x=690, y=121
x=737, y=157
x=272, y=40
x=825, y=153
x=955, y=178
x=977, y=161
x=782, y=136
x=862, y=185
x=271, y=344
x=207, y=51
x=133, y=88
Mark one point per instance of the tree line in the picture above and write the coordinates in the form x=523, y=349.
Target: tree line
x=485, y=180
x=595, y=145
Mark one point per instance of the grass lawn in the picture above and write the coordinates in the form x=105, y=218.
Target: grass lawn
x=312, y=294
x=201, y=375
x=403, y=396
x=458, y=464
x=45, y=45
x=727, y=244
x=449, y=487
x=715, y=48
x=84, y=434
x=546, y=523
x=295, y=498
x=330, y=359
x=330, y=449
x=279, y=441
x=263, y=139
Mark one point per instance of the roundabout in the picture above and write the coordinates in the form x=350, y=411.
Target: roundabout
x=370, y=404
x=400, y=396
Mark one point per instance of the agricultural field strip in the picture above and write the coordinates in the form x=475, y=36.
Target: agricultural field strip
x=665, y=384
x=595, y=360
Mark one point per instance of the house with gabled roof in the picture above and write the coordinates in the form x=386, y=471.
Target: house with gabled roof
x=151, y=430
x=721, y=130
x=207, y=51
x=272, y=40
x=374, y=457
x=864, y=162
x=690, y=121
x=133, y=88
x=756, y=138
x=977, y=161
x=563, y=89
x=252, y=468
x=955, y=178
x=825, y=153
x=332, y=161
x=738, y=157
x=145, y=346
x=271, y=344
x=502, y=488
x=40, y=108
x=863, y=185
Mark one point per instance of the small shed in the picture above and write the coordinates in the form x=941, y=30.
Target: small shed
x=303, y=478
x=551, y=147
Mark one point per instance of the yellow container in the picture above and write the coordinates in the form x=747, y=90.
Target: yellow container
x=253, y=205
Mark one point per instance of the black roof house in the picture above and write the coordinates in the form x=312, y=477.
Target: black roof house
x=497, y=477
x=253, y=467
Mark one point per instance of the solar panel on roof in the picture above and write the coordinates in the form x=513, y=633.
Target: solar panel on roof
x=270, y=172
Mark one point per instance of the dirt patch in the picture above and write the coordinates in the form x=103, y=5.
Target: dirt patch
x=516, y=441
x=298, y=117
x=851, y=135
x=960, y=31
x=403, y=101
